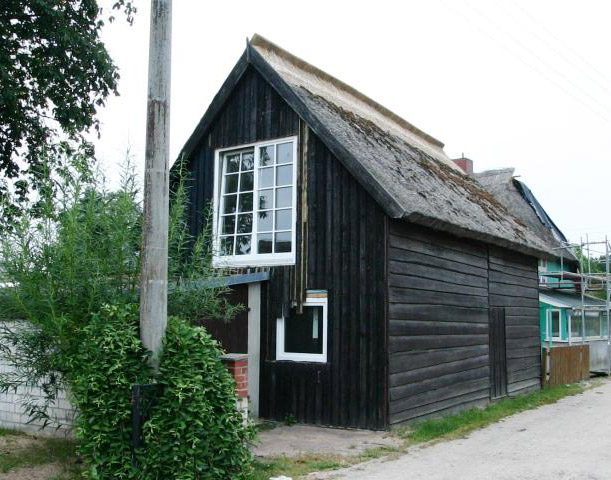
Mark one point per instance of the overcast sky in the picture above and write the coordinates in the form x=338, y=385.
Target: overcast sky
x=524, y=84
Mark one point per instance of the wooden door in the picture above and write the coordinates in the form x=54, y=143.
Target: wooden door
x=497, y=353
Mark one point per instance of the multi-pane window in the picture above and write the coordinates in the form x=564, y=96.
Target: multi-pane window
x=256, y=199
x=275, y=198
x=237, y=203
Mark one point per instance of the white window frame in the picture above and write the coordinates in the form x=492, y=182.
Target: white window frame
x=304, y=357
x=549, y=325
x=252, y=259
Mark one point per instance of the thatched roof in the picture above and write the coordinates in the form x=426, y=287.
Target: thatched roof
x=404, y=169
x=521, y=202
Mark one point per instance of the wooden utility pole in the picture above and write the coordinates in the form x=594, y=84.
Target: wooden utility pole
x=154, y=277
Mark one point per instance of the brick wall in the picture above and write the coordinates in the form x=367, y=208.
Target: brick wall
x=237, y=364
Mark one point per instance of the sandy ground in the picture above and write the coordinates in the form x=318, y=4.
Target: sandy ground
x=298, y=439
x=569, y=440
x=12, y=443
x=40, y=472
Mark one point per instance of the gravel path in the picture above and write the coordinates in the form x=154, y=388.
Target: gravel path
x=570, y=439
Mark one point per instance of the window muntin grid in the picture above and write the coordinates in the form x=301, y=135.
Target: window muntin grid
x=256, y=215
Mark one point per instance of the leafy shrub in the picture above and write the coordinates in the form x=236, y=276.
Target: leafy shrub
x=101, y=374
x=195, y=430
x=77, y=248
x=72, y=265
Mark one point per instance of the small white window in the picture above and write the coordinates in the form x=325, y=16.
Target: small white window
x=303, y=337
x=254, y=208
x=553, y=324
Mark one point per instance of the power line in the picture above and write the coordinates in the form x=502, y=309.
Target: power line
x=606, y=88
x=565, y=45
x=541, y=60
x=525, y=62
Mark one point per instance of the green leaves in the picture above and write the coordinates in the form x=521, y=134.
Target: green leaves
x=55, y=74
x=198, y=408
x=194, y=432
x=101, y=374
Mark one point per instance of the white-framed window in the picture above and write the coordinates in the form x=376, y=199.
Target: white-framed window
x=303, y=337
x=254, y=204
x=554, y=324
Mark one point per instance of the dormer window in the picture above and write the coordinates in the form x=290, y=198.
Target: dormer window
x=254, y=208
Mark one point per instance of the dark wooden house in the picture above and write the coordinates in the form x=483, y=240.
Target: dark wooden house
x=383, y=284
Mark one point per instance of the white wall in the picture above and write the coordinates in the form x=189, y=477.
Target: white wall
x=12, y=413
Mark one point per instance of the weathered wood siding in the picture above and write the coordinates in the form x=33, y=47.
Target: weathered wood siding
x=514, y=285
x=341, y=247
x=345, y=254
x=440, y=292
x=254, y=112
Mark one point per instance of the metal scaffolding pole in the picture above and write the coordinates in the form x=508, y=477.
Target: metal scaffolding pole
x=608, y=298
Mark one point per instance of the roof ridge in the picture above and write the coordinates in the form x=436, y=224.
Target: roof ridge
x=495, y=171
x=260, y=41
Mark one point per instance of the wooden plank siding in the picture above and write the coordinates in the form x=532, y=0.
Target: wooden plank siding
x=441, y=289
x=345, y=241
x=341, y=247
x=513, y=285
x=408, y=307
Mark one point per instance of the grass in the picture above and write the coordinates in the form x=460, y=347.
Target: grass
x=37, y=452
x=469, y=420
x=301, y=465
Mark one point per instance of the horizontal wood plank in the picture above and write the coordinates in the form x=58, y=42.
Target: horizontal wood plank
x=400, y=267
x=415, y=258
x=444, y=407
x=504, y=278
x=415, y=360
x=414, y=328
x=425, y=297
x=408, y=231
x=437, y=313
x=429, y=248
x=434, y=371
x=428, y=342
x=419, y=283
x=433, y=396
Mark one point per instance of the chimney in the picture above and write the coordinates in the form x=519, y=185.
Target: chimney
x=465, y=164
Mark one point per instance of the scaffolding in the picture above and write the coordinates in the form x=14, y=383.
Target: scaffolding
x=586, y=282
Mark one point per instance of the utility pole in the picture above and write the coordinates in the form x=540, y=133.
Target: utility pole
x=154, y=276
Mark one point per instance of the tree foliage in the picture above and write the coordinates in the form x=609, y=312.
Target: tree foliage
x=56, y=73
x=80, y=251
x=73, y=271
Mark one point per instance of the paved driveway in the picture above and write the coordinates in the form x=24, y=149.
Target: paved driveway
x=567, y=440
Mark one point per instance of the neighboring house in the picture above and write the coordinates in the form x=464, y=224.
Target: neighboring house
x=560, y=300
x=382, y=283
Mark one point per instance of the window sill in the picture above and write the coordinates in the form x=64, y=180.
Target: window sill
x=264, y=260
x=283, y=361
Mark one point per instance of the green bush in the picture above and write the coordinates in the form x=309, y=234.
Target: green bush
x=101, y=375
x=72, y=262
x=77, y=248
x=195, y=430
